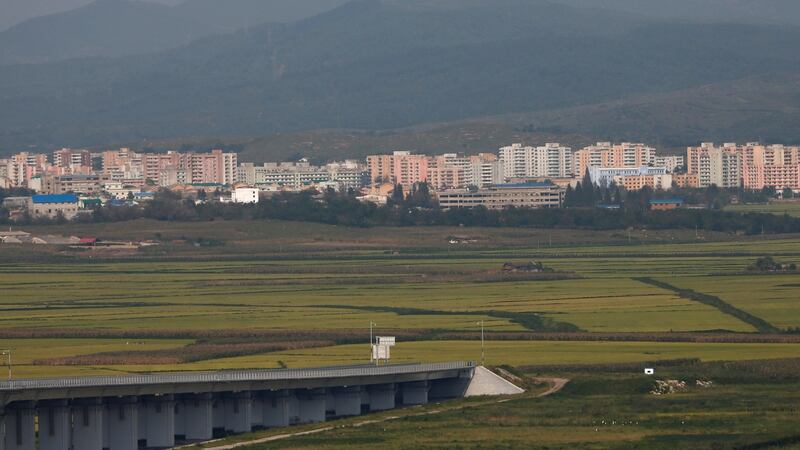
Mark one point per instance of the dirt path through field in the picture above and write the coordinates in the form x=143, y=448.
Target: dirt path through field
x=556, y=384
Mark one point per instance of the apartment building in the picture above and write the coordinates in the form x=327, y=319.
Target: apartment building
x=632, y=178
x=68, y=158
x=401, y=167
x=549, y=160
x=720, y=166
x=606, y=154
x=524, y=195
x=671, y=163
x=450, y=171
x=301, y=175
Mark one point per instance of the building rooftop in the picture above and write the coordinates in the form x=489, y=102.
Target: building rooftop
x=60, y=198
x=530, y=184
x=666, y=201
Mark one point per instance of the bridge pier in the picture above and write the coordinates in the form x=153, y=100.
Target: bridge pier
x=311, y=405
x=381, y=397
x=55, y=425
x=122, y=420
x=449, y=388
x=197, y=417
x=415, y=393
x=20, y=426
x=347, y=401
x=159, y=421
x=2, y=428
x=87, y=424
x=275, y=411
x=238, y=415
x=257, y=411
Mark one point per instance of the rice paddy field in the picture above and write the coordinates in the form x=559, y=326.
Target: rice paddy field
x=267, y=297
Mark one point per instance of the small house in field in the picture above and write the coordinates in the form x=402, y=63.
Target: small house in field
x=531, y=267
x=666, y=204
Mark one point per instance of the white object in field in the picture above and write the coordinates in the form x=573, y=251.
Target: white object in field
x=388, y=341
x=486, y=382
x=649, y=371
x=381, y=352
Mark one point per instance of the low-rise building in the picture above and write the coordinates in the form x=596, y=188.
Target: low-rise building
x=666, y=204
x=245, y=195
x=632, y=178
x=523, y=195
x=53, y=206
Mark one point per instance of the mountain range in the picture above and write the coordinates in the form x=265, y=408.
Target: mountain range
x=565, y=66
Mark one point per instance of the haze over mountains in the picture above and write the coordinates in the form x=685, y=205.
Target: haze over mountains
x=383, y=64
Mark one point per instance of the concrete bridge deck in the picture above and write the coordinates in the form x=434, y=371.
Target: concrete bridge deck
x=156, y=411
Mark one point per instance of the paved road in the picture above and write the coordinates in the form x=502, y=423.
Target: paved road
x=556, y=384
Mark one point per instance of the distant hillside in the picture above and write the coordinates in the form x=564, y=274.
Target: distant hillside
x=235, y=14
x=374, y=64
x=130, y=27
x=102, y=28
x=762, y=109
x=738, y=11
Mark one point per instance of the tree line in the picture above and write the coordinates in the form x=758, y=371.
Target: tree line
x=418, y=208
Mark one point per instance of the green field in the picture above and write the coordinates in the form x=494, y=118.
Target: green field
x=300, y=294
x=793, y=209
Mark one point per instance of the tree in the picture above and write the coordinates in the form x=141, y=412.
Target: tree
x=788, y=193
x=397, y=198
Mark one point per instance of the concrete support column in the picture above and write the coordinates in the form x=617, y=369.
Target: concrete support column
x=415, y=393
x=276, y=412
x=2, y=428
x=381, y=397
x=238, y=418
x=311, y=405
x=197, y=417
x=257, y=411
x=122, y=420
x=87, y=424
x=55, y=425
x=180, y=419
x=449, y=388
x=347, y=401
x=20, y=426
x=159, y=421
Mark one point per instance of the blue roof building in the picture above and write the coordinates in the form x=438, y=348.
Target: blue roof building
x=54, y=199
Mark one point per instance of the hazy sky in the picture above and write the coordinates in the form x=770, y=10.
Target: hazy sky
x=15, y=11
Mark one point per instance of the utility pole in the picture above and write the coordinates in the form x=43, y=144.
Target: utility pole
x=371, y=342
x=7, y=354
x=483, y=347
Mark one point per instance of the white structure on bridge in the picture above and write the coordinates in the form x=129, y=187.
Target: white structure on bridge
x=156, y=411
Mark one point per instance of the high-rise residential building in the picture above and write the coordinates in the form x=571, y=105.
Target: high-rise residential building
x=719, y=166
x=631, y=178
x=68, y=158
x=671, y=163
x=400, y=167
x=550, y=160
x=606, y=154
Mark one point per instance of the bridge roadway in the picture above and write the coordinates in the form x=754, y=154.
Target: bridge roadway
x=157, y=411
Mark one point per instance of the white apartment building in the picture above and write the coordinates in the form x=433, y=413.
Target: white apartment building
x=300, y=175
x=671, y=163
x=550, y=160
x=245, y=195
x=606, y=154
x=720, y=166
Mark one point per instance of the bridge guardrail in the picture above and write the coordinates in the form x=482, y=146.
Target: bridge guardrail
x=229, y=376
